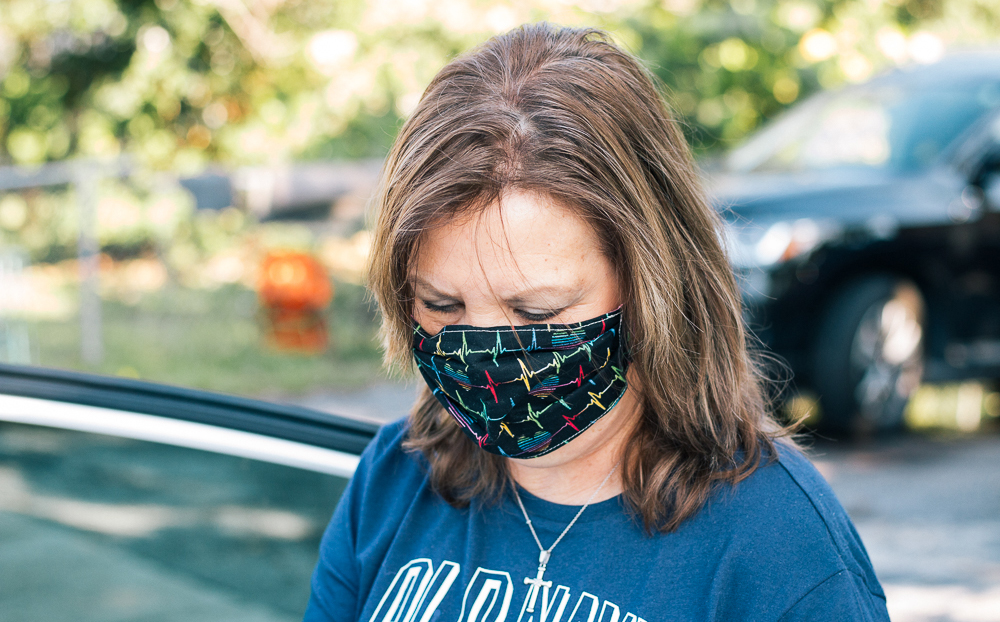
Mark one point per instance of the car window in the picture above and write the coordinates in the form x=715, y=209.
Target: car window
x=884, y=127
x=96, y=527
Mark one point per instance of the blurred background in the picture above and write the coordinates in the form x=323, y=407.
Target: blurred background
x=183, y=190
x=155, y=153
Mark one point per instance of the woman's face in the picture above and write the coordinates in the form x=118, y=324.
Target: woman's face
x=531, y=262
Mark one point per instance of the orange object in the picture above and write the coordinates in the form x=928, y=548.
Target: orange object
x=293, y=280
x=296, y=330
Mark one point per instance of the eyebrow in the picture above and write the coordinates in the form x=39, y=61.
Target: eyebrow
x=533, y=294
x=433, y=290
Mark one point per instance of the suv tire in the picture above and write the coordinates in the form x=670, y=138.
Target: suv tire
x=868, y=357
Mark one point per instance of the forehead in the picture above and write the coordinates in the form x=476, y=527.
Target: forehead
x=523, y=240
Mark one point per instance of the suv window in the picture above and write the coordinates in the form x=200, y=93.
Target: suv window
x=879, y=126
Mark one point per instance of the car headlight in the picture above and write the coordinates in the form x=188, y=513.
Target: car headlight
x=754, y=245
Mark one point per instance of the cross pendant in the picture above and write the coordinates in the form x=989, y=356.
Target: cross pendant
x=537, y=583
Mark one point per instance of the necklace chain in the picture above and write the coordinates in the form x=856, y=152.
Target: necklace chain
x=543, y=552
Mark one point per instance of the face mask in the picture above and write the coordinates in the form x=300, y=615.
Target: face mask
x=525, y=391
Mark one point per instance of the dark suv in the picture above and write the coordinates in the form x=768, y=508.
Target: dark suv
x=864, y=226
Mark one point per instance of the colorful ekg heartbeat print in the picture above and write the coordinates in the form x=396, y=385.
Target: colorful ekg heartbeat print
x=523, y=391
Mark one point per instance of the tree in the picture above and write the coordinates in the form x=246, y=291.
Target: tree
x=182, y=83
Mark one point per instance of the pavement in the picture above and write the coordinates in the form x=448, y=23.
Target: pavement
x=928, y=511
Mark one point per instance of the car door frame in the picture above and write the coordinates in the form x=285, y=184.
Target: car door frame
x=278, y=433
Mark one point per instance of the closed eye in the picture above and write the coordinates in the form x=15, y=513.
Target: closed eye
x=536, y=317
x=527, y=316
x=439, y=308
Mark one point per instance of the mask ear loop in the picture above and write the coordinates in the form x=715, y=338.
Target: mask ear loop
x=623, y=336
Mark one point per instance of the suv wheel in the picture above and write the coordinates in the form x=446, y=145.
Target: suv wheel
x=869, y=357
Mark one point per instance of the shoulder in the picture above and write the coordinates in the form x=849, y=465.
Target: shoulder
x=820, y=504
x=785, y=528
x=391, y=477
x=386, y=461
x=388, y=440
x=387, y=483
x=382, y=467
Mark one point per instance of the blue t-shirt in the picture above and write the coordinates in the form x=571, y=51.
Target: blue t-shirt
x=777, y=546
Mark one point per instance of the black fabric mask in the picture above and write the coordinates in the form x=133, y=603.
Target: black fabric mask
x=524, y=391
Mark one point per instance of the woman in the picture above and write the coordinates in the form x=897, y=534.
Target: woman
x=593, y=444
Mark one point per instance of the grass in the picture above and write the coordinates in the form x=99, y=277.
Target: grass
x=212, y=339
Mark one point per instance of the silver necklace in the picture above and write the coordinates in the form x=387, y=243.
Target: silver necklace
x=543, y=556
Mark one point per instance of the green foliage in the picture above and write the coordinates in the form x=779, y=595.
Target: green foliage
x=729, y=66
x=181, y=83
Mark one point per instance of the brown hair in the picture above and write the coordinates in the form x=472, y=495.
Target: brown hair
x=566, y=113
